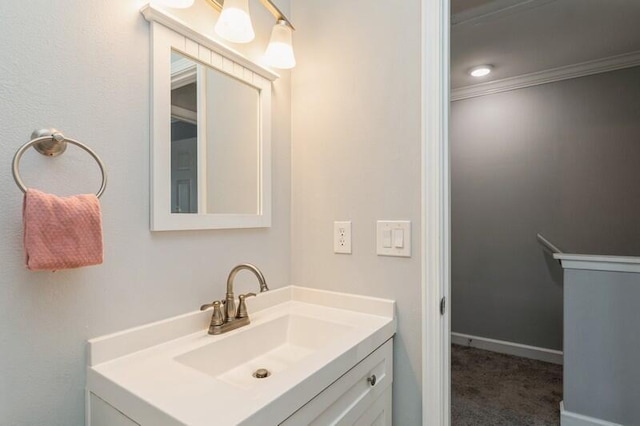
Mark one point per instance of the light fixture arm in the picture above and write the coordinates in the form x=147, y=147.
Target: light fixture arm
x=268, y=4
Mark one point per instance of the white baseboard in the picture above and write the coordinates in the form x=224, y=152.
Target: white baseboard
x=567, y=418
x=510, y=348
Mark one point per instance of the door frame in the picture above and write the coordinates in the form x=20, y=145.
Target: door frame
x=436, y=233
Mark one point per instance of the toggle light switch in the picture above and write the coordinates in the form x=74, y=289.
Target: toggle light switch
x=393, y=238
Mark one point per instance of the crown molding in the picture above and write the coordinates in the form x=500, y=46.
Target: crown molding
x=495, y=9
x=582, y=69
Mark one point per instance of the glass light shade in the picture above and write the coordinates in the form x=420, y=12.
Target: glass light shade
x=279, y=53
x=234, y=23
x=176, y=4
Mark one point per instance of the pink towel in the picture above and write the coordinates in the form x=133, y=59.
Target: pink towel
x=61, y=233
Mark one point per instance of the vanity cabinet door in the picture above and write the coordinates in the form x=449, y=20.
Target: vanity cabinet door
x=104, y=414
x=362, y=396
x=378, y=413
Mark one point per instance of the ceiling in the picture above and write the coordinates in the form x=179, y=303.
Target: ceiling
x=523, y=36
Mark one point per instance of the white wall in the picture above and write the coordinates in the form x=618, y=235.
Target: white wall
x=84, y=67
x=356, y=156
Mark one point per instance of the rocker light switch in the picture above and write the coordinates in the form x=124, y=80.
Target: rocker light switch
x=386, y=238
x=398, y=238
x=394, y=238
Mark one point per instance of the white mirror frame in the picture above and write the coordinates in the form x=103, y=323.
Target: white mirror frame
x=169, y=33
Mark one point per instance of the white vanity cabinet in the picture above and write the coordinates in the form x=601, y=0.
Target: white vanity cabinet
x=360, y=397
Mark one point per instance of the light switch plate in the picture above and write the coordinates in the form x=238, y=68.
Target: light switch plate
x=342, y=237
x=400, y=230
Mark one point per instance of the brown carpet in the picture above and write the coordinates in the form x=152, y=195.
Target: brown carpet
x=489, y=388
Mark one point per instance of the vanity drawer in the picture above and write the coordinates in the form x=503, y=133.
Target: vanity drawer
x=355, y=396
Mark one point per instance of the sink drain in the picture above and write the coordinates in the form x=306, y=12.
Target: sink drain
x=261, y=373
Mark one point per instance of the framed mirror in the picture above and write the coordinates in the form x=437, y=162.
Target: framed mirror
x=210, y=132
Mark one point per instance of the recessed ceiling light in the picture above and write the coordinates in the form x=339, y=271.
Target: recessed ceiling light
x=480, y=71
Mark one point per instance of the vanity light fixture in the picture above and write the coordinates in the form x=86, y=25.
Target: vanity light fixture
x=176, y=4
x=480, y=71
x=234, y=24
x=279, y=52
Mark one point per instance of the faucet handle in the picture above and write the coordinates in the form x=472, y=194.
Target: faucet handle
x=242, y=306
x=218, y=316
x=211, y=305
x=207, y=306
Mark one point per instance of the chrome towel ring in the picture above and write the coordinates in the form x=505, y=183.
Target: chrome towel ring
x=51, y=142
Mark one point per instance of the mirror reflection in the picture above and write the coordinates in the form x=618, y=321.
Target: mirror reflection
x=215, y=141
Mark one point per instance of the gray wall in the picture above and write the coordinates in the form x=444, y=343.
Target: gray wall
x=232, y=148
x=602, y=343
x=562, y=159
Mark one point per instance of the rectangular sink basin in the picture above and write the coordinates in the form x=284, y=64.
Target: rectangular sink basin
x=274, y=346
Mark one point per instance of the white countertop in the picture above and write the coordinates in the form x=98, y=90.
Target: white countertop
x=137, y=372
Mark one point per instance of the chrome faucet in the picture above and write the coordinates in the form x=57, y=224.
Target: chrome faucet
x=232, y=318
